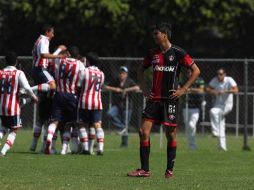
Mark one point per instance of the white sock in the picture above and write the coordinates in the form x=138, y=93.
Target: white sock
x=51, y=131
x=9, y=142
x=66, y=140
x=100, y=138
x=41, y=87
x=91, y=139
x=83, y=138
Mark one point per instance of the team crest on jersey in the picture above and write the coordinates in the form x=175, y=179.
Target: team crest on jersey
x=171, y=58
x=156, y=59
x=171, y=117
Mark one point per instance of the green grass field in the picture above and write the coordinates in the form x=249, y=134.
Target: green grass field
x=206, y=168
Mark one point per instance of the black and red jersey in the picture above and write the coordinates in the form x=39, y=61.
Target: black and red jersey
x=166, y=69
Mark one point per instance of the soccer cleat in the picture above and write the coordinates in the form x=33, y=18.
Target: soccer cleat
x=123, y=131
x=168, y=174
x=99, y=153
x=85, y=152
x=139, y=173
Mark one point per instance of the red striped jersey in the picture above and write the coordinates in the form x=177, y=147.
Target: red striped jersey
x=166, y=69
x=67, y=72
x=11, y=80
x=41, y=46
x=91, y=82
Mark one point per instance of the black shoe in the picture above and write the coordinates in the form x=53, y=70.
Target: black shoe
x=99, y=153
x=85, y=152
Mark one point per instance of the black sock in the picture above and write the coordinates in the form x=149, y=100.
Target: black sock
x=171, y=155
x=144, y=155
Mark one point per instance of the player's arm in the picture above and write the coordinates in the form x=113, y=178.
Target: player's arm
x=181, y=91
x=24, y=84
x=56, y=54
x=112, y=88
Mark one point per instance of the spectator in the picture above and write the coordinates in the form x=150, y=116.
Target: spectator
x=121, y=87
x=223, y=88
x=191, y=111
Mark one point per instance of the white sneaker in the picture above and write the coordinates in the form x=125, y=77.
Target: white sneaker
x=122, y=131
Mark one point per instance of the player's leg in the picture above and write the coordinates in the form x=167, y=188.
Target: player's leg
x=192, y=124
x=215, y=120
x=36, y=135
x=171, y=150
x=83, y=136
x=91, y=139
x=66, y=139
x=14, y=122
x=3, y=131
x=144, y=150
x=51, y=131
x=74, y=139
x=100, y=137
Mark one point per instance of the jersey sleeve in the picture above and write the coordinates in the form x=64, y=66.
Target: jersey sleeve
x=232, y=82
x=44, y=46
x=184, y=58
x=24, y=83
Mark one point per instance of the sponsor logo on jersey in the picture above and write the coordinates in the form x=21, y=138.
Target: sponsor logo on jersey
x=164, y=68
x=156, y=59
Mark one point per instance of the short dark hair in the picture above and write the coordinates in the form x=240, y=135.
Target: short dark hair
x=164, y=27
x=11, y=58
x=47, y=28
x=74, y=52
x=93, y=58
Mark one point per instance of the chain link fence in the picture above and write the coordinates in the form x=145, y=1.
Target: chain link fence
x=235, y=68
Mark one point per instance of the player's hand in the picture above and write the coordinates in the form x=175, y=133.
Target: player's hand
x=118, y=90
x=177, y=93
x=62, y=47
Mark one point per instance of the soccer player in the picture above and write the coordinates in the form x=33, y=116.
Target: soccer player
x=64, y=106
x=42, y=78
x=90, y=106
x=11, y=81
x=161, y=106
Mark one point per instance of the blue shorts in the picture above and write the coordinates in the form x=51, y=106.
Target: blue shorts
x=11, y=122
x=41, y=75
x=89, y=116
x=64, y=107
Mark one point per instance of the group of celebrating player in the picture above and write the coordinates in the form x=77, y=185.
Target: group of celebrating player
x=69, y=91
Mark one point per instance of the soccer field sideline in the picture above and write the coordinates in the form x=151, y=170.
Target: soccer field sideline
x=206, y=168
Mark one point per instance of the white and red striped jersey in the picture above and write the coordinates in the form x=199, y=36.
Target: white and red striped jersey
x=41, y=46
x=91, y=82
x=67, y=72
x=11, y=80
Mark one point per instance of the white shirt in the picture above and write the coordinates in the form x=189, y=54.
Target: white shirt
x=227, y=84
x=41, y=46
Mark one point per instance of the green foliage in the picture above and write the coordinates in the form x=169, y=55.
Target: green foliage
x=123, y=25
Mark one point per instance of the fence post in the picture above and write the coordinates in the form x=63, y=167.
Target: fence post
x=245, y=135
x=237, y=116
x=125, y=134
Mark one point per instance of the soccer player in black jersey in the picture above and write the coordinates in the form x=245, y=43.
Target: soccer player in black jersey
x=161, y=107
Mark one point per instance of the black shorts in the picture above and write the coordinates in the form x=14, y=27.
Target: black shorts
x=64, y=107
x=41, y=75
x=89, y=116
x=11, y=122
x=163, y=112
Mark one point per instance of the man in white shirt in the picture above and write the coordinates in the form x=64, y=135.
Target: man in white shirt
x=222, y=87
